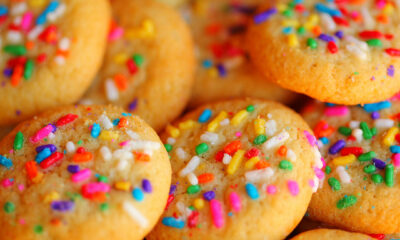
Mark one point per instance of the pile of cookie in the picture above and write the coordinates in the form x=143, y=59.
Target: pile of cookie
x=199, y=119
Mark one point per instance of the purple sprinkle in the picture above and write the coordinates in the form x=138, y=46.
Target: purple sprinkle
x=264, y=16
x=221, y=70
x=7, y=72
x=379, y=163
x=73, y=168
x=54, y=127
x=52, y=148
x=172, y=189
x=390, y=71
x=62, y=206
x=375, y=115
x=337, y=146
x=339, y=34
x=210, y=195
x=326, y=38
x=146, y=186
x=18, y=112
x=133, y=105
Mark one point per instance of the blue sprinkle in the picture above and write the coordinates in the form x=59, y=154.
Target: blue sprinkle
x=3, y=10
x=207, y=64
x=138, y=194
x=252, y=191
x=53, y=5
x=326, y=38
x=6, y=162
x=173, y=222
x=373, y=107
x=95, y=130
x=325, y=9
x=287, y=30
x=264, y=16
x=45, y=153
x=127, y=114
x=115, y=121
x=324, y=140
x=205, y=116
x=330, y=104
x=230, y=214
x=395, y=149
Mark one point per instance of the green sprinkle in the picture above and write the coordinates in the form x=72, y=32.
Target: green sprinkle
x=389, y=171
x=346, y=131
x=367, y=134
x=374, y=42
x=18, y=141
x=328, y=169
x=17, y=50
x=29, y=65
x=288, y=13
x=9, y=207
x=201, y=148
x=260, y=139
x=334, y=183
x=79, y=142
x=368, y=156
x=74, y=196
x=292, y=5
x=376, y=178
x=38, y=229
x=301, y=30
x=193, y=189
x=346, y=201
x=138, y=59
x=312, y=43
x=250, y=108
x=286, y=165
x=168, y=147
x=374, y=131
x=104, y=207
x=192, y=208
x=369, y=169
x=103, y=179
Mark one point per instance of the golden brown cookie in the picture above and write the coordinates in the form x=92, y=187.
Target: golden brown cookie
x=173, y=3
x=50, y=51
x=345, y=52
x=82, y=173
x=149, y=63
x=242, y=169
x=331, y=234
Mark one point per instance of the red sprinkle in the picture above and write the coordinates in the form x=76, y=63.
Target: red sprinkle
x=66, y=119
x=169, y=201
x=377, y=236
x=253, y=152
x=219, y=156
x=341, y=21
x=51, y=160
x=232, y=147
x=393, y=52
x=193, y=219
x=370, y=34
x=351, y=150
x=131, y=65
x=332, y=47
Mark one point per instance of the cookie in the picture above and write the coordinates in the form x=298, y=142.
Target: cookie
x=344, y=52
x=331, y=234
x=173, y=3
x=224, y=70
x=4, y=131
x=149, y=63
x=234, y=163
x=82, y=173
x=361, y=148
x=49, y=53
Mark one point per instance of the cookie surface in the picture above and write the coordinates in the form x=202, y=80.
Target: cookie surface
x=48, y=57
x=360, y=146
x=149, y=63
x=234, y=163
x=343, y=52
x=331, y=234
x=82, y=173
x=173, y=3
x=224, y=70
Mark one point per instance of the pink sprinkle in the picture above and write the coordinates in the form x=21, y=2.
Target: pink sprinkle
x=217, y=213
x=21, y=187
x=42, y=133
x=319, y=173
x=336, y=111
x=293, y=187
x=311, y=183
x=236, y=204
x=7, y=183
x=115, y=34
x=22, y=221
x=11, y=151
x=323, y=162
x=271, y=189
x=97, y=187
x=238, y=134
x=311, y=139
x=396, y=160
x=81, y=175
x=26, y=21
x=124, y=143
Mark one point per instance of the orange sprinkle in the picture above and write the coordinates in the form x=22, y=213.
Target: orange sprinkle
x=142, y=157
x=382, y=19
x=123, y=122
x=232, y=147
x=262, y=164
x=31, y=169
x=205, y=178
x=99, y=197
x=17, y=75
x=55, y=221
x=316, y=31
x=282, y=150
x=82, y=157
x=322, y=129
x=121, y=82
x=62, y=53
x=29, y=45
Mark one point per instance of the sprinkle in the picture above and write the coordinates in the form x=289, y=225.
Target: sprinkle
x=368, y=156
x=264, y=16
x=343, y=175
x=62, y=206
x=9, y=207
x=18, y=141
x=293, y=187
x=235, y=162
x=369, y=169
x=45, y=153
x=172, y=222
x=336, y=147
x=137, y=193
x=70, y=146
x=190, y=166
x=95, y=132
x=193, y=189
x=320, y=7
x=367, y=134
x=393, y=149
x=336, y=111
x=252, y=191
x=259, y=175
x=209, y=195
x=172, y=131
x=390, y=71
x=82, y=157
x=42, y=133
x=108, y=135
x=326, y=38
x=389, y=172
x=111, y=89
x=213, y=125
x=259, y=124
x=239, y=117
x=192, y=178
x=135, y=214
x=205, y=116
x=271, y=189
x=235, y=202
x=73, y=168
x=393, y=52
x=201, y=148
x=376, y=178
x=312, y=43
x=285, y=165
x=332, y=47
x=334, y=183
x=251, y=162
x=31, y=169
x=276, y=140
x=81, y=175
x=51, y=160
x=217, y=213
x=346, y=201
x=373, y=107
x=105, y=122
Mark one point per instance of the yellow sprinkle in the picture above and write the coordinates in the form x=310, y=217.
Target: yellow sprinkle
x=37, y=3
x=235, y=162
x=290, y=23
x=173, y=131
x=251, y=162
x=281, y=7
x=147, y=30
x=312, y=20
x=124, y=186
x=213, y=125
x=388, y=140
x=198, y=203
x=388, y=10
x=108, y=135
x=38, y=178
x=259, y=126
x=292, y=40
x=120, y=58
x=189, y=124
x=344, y=160
x=239, y=117
x=213, y=72
x=51, y=196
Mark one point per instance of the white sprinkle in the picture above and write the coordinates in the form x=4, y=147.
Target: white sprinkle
x=316, y=184
x=368, y=20
x=354, y=124
x=132, y=135
x=60, y=60
x=277, y=140
x=122, y=165
x=51, y=135
x=210, y=137
x=233, y=63
x=190, y=166
x=181, y=153
x=122, y=154
x=384, y=123
x=225, y=122
x=64, y=44
x=259, y=175
x=35, y=32
x=317, y=158
x=14, y=37
x=171, y=140
x=320, y=144
x=70, y=147
x=112, y=93
x=144, y=145
x=105, y=153
x=183, y=210
x=105, y=122
x=270, y=127
x=321, y=182
x=327, y=22
x=343, y=175
x=135, y=214
x=357, y=51
x=357, y=133
x=53, y=16
x=269, y=115
x=226, y=159
x=291, y=155
x=18, y=9
x=192, y=178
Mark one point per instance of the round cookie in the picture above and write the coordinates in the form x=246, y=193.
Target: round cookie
x=4, y=131
x=331, y=234
x=173, y=3
x=361, y=148
x=50, y=51
x=82, y=173
x=234, y=163
x=224, y=70
x=149, y=63
x=344, y=52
